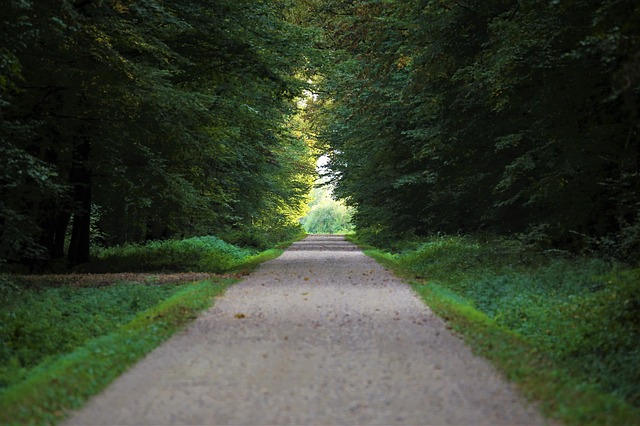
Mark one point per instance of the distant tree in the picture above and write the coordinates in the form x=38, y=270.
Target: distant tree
x=326, y=215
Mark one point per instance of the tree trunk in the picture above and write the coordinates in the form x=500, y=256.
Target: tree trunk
x=62, y=223
x=80, y=179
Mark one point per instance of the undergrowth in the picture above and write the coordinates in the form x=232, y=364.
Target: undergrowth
x=198, y=254
x=579, y=318
x=262, y=238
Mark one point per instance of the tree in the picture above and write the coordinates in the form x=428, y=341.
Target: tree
x=326, y=215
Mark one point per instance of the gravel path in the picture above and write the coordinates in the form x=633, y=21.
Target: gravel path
x=322, y=335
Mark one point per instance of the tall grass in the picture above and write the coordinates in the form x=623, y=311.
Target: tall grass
x=199, y=254
x=581, y=314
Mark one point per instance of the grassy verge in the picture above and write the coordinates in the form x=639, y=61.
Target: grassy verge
x=65, y=381
x=566, y=330
x=41, y=320
x=199, y=254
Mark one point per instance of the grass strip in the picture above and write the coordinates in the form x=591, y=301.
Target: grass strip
x=68, y=381
x=559, y=394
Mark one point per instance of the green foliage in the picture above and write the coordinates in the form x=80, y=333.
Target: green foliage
x=201, y=254
x=560, y=393
x=61, y=344
x=326, y=215
x=501, y=116
x=65, y=381
x=580, y=313
x=170, y=120
x=260, y=238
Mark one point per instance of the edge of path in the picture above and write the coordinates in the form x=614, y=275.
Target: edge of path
x=560, y=398
x=67, y=382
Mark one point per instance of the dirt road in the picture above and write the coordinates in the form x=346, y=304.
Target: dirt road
x=322, y=335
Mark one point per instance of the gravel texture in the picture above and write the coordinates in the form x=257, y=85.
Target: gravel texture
x=322, y=335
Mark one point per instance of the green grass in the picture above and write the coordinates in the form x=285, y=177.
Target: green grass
x=65, y=380
x=37, y=323
x=567, y=330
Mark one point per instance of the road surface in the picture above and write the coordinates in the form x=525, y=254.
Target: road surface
x=322, y=335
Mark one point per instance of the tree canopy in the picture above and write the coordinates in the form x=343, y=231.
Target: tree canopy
x=126, y=121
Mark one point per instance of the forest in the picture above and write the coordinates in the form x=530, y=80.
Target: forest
x=489, y=147
x=126, y=122
x=502, y=117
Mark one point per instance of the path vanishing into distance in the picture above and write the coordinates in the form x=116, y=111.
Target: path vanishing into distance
x=322, y=335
